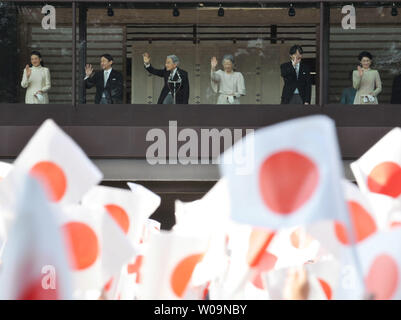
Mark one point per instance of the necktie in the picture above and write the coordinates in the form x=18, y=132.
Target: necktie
x=172, y=74
x=106, y=76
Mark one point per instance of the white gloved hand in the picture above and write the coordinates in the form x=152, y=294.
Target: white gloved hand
x=371, y=98
x=40, y=97
x=230, y=99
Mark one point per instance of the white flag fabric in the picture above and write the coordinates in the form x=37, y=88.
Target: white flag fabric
x=5, y=168
x=62, y=166
x=208, y=217
x=129, y=209
x=35, y=263
x=379, y=169
x=296, y=176
x=168, y=265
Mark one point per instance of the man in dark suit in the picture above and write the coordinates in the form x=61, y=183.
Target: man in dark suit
x=396, y=92
x=297, y=79
x=108, y=82
x=176, y=83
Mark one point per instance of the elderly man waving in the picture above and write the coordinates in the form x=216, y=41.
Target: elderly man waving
x=176, y=84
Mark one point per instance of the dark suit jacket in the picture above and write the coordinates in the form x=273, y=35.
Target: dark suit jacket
x=396, y=92
x=303, y=83
x=113, y=88
x=182, y=92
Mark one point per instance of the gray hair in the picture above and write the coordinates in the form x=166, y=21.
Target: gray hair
x=174, y=58
x=228, y=57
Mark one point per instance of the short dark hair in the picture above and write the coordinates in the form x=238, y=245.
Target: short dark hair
x=295, y=48
x=37, y=53
x=107, y=56
x=364, y=54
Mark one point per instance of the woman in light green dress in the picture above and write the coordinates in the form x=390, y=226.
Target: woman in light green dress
x=366, y=81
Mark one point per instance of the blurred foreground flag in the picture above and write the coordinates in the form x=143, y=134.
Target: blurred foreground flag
x=295, y=178
x=62, y=166
x=379, y=169
x=97, y=247
x=34, y=263
x=381, y=262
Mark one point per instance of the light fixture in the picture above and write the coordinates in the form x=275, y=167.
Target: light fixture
x=220, y=12
x=291, y=10
x=110, y=11
x=394, y=11
x=176, y=12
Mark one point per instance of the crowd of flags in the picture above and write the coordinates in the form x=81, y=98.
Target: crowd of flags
x=64, y=236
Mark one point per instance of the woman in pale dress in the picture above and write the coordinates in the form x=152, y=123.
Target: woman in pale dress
x=229, y=84
x=36, y=80
x=366, y=81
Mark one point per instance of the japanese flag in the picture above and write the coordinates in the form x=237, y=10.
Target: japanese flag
x=168, y=264
x=208, y=217
x=97, y=247
x=381, y=262
x=129, y=209
x=59, y=163
x=34, y=264
x=248, y=259
x=296, y=176
x=379, y=169
x=334, y=235
x=364, y=222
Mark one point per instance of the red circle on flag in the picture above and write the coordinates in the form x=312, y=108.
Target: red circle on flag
x=119, y=215
x=53, y=178
x=363, y=223
x=382, y=278
x=83, y=244
x=385, y=178
x=287, y=180
x=182, y=273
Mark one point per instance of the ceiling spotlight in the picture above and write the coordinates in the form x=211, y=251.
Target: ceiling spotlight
x=176, y=12
x=291, y=10
x=110, y=11
x=220, y=12
x=394, y=11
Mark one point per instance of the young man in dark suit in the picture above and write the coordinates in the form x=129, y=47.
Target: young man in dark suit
x=176, y=83
x=108, y=82
x=396, y=92
x=297, y=79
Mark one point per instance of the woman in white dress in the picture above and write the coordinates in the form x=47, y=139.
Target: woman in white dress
x=229, y=84
x=36, y=80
